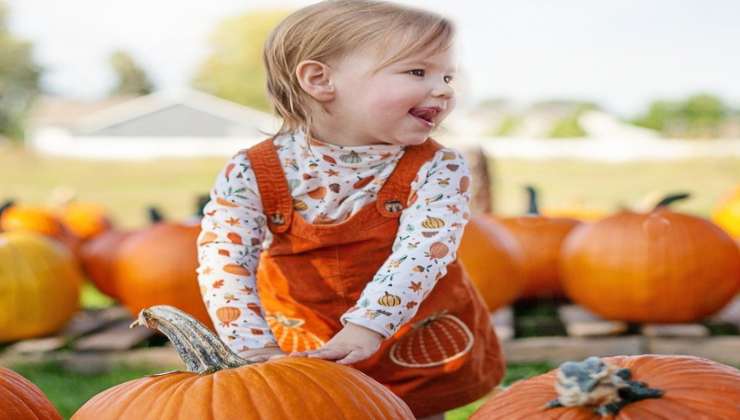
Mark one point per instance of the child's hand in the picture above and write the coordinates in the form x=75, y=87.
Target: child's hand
x=263, y=354
x=352, y=344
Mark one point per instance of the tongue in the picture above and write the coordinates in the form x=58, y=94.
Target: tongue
x=420, y=113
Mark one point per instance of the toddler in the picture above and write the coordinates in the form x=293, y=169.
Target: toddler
x=336, y=238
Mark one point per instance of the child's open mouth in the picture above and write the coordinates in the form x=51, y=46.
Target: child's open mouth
x=424, y=115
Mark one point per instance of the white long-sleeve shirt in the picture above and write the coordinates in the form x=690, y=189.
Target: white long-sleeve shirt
x=328, y=184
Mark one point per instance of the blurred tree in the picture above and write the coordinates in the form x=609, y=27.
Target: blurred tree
x=698, y=116
x=567, y=128
x=132, y=79
x=234, y=70
x=19, y=80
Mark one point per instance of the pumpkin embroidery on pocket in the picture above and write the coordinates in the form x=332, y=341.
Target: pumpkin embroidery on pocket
x=289, y=334
x=434, y=341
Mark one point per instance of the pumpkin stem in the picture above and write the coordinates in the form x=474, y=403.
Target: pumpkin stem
x=603, y=387
x=203, y=199
x=155, y=215
x=6, y=205
x=533, y=206
x=196, y=345
x=671, y=198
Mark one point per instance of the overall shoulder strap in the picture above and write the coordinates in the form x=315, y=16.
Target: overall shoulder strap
x=277, y=201
x=393, y=197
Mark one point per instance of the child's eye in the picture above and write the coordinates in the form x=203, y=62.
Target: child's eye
x=417, y=72
x=448, y=79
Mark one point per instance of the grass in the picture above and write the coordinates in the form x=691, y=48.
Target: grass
x=173, y=184
x=69, y=390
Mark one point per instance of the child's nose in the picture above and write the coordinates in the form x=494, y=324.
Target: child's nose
x=443, y=89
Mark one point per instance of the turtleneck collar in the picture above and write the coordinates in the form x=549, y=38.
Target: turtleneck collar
x=349, y=156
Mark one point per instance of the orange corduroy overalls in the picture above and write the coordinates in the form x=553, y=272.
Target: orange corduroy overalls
x=446, y=356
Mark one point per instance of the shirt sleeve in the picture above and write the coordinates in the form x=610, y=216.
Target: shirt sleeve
x=229, y=246
x=427, y=241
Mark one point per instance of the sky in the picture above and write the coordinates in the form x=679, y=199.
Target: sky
x=621, y=54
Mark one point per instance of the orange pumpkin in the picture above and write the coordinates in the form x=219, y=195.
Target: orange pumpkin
x=541, y=238
x=85, y=220
x=494, y=261
x=660, y=266
x=221, y=385
x=727, y=213
x=36, y=219
x=691, y=388
x=39, y=285
x=20, y=399
x=156, y=266
x=98, y=255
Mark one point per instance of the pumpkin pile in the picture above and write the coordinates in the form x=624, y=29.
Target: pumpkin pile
x=221, y=385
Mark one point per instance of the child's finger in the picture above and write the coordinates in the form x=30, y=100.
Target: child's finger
x=330, y=354
x=353, y=357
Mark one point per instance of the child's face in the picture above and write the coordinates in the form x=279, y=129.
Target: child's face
x=399, y=104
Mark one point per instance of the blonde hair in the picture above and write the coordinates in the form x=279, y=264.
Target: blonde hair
x=331, y=29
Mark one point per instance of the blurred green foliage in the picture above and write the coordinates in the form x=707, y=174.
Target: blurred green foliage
x=234, y=69
x=132, y=80
x=19, y=80
x=698, y=116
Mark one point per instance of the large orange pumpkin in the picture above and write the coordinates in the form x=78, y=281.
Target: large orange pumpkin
x=541, y=238
x=727, y=213
x=494, y=261
x=39, y=285
x=20, y=399
x=157, y=266
x=660, y=266
x=219, y=385
x=691, y=387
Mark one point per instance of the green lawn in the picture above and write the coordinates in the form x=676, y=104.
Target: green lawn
x=173, y=184
x=69, y=390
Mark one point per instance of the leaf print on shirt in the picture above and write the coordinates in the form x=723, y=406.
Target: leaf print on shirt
x=318, y=193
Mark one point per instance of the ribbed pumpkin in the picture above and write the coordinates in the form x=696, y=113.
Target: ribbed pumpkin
x=221, y=386
x=20, y=399
x=727, y=213
x=39, y=285
x=660, y=266
x=692, y=388
x=98, y=256
x=40, y=220
x=156, y=266
x=494, y=261
x=541, y=238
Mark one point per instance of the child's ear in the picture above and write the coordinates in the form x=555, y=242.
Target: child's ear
x=315, y=78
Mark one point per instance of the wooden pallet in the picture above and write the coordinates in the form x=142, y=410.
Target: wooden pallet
x=91, y=335
x=588, y=334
